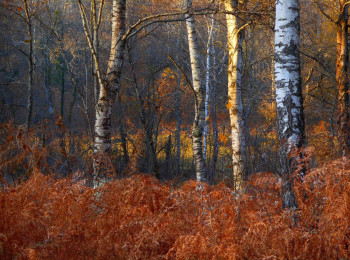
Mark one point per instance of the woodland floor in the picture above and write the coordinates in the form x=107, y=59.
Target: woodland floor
x=140, y=218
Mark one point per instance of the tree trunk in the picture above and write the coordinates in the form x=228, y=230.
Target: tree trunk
x=198, y=124
x=215, y=126
x=95, y=25
x=31, y=67
x=109, y=88
x=342, y=80
x=178, y=124
x=235, y=104
x=207, y=86
x=290, y=118
x=178, y=113
x=63, y=85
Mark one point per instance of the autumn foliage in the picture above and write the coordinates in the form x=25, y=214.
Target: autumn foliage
x=141, y=218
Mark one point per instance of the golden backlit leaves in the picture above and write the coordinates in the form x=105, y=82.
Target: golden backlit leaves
x=223, y=139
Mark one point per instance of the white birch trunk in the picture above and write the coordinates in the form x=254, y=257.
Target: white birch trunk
x=198, y=124
x=289, y=102
x=207, y=86
x=235, y=103
x=109, y=89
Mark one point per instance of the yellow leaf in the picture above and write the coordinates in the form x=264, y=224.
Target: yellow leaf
x=228, y=105
x=207, y=118
x=27, y=41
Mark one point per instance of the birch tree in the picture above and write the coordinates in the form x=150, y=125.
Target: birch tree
x=207, y=83
x=95, y=20
x=199, y=91
x=109, y=85
x=235, y=104
x=290, y=118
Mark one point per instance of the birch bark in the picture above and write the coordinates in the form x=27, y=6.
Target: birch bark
x=290, y=118
x=207, y=85
x=109, y=88
x=198, y=124
x=235, y=104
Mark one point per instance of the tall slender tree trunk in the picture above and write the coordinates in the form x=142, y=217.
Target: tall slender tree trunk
x=235, y=104
x=63, y=85
x=290, y=118
x=198, y=124
x=30, y=68
x=343, y=79
x=214, y=120
x=207, y=86
x=178, y=124
x=95, y=25
x=109, y=88
x=178, y=112
x=94, y=70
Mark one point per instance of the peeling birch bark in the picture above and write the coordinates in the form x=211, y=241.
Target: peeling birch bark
x=289, y=102
x=235, y=104
x=199, y=119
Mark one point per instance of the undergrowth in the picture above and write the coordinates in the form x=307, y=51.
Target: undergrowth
x=140, y=218
x=45, y=216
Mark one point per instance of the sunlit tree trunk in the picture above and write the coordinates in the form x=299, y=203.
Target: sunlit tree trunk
x=235, y=104
x=290, y=118
x=342, y=79
x=109, y=88
x=198, y=124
